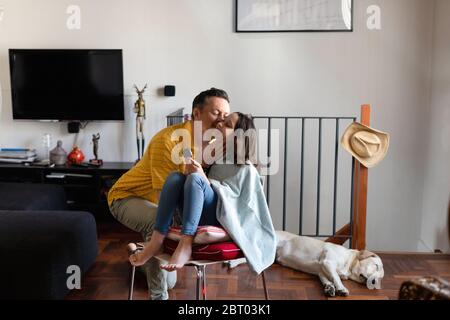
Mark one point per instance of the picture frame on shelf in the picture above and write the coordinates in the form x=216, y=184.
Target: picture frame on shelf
x=294, y=15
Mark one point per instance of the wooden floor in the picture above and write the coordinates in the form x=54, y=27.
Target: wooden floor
x=109, y=276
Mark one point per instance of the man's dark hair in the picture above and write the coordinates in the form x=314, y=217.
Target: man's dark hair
x=200, y=99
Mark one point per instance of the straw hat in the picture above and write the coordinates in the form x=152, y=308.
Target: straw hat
x=367, y=145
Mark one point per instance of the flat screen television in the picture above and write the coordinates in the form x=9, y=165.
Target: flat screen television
x=67, y=84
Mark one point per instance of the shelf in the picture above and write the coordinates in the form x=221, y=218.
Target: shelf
x=86, y=193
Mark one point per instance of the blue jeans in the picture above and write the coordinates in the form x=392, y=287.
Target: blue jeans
x=194, y=196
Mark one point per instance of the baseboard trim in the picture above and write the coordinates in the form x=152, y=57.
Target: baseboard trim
x=422, y=245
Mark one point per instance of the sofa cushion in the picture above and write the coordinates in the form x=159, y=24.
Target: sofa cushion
x=37, y=247
x=32, y=196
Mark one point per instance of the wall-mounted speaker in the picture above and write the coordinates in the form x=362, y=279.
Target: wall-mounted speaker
x=73, y=127
x=169, y=91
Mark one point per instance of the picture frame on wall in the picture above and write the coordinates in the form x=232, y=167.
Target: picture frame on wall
x=294, y=16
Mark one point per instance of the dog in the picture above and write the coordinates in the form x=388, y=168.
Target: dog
x=330, y=262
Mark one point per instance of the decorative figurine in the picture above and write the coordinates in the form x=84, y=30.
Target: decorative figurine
x=75, y=156
x=96, y=162
x=58, y=155
x=139, y=109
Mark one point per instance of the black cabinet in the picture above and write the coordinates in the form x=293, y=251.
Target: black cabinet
x=86, y=187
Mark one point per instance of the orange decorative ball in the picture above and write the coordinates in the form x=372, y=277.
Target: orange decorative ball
x=75, y=156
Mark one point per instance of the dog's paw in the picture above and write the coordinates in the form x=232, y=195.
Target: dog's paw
x=342, y=292
x=329, y=290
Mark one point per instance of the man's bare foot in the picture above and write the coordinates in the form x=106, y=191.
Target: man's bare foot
x=181, y=255
x=151, y=248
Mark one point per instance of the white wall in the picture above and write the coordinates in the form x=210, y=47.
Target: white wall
x=191, y=43
x=434, y=227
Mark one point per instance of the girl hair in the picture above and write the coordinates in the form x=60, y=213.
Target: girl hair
x=245, y=123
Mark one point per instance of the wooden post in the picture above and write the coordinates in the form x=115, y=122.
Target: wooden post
x=360, y=194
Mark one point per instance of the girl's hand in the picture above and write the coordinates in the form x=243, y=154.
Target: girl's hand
x=195, y=167
x=189, y=167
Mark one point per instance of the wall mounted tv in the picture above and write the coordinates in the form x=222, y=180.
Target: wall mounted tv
x=67, y=84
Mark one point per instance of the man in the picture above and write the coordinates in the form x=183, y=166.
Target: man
x=134, y=197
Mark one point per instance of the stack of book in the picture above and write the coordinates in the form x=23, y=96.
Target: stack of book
x=17, y=155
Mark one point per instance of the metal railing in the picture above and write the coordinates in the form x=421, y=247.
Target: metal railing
x=269, y=121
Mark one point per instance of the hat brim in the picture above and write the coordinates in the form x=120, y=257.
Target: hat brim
x=376, y=158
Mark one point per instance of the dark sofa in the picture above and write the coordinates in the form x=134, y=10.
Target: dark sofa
x=39, y=240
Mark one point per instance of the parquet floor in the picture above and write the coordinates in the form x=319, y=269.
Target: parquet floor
x=109, y=276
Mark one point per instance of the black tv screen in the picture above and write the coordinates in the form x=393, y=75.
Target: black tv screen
x=67, y=84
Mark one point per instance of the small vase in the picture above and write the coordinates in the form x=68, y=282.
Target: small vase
x=75, y=156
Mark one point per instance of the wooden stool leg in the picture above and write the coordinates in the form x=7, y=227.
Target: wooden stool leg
x=266, y=292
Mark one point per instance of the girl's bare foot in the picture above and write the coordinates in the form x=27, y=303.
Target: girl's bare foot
x=151, y=248
x=181, y=255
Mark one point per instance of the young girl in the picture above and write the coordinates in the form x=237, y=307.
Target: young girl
x=193, y=193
